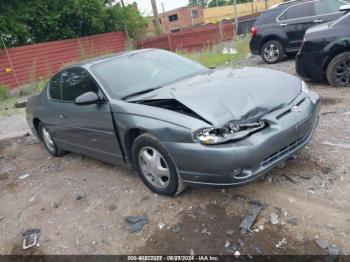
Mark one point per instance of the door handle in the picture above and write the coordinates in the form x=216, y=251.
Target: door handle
x=282, y=25
x=63, y=115
x=318, y=21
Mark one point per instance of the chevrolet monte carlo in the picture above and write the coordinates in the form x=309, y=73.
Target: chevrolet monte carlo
x=174, y=121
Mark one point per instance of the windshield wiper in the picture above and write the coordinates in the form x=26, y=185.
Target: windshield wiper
x=140, y=93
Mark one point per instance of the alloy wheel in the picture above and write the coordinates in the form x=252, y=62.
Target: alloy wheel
x=154, y=167
x=47, y=139
x=271, y=53
x=342, y=73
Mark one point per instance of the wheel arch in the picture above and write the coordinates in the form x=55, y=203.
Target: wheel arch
x=272, y=38
x=36, y=122
x=335, y=52
x=129, y=138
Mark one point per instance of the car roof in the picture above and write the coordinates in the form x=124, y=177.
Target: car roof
x=288, y=4
x=97, y=60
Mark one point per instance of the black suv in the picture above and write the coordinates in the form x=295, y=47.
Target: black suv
x=325, y=53
x=279, y=30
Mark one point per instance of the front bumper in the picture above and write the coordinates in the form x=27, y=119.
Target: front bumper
x=288, y=132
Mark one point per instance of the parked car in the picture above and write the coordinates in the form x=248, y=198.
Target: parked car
x=176, y=122
x=325, y=53
x=279, y=31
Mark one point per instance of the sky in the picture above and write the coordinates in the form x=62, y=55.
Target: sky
x=146, y=7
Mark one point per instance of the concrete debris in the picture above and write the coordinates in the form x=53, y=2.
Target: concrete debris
x=21, y=103
x=292, y=221
x=30, y=238
x=161, y=225
x=256, y=250
x=237, y=254
x=192, y=252
x=249, y=218
x=136, y=223
x=274, y=219
x=227, y=244
x=322, y=243
x=177, y=228
x=56, y=204
x=199, y=210
x=80, y=196
x=133, y=219
x=326, y=170
x=23, y=176
x=281, y=243
x=238, y=245
x=261, y=227
x=229, y=232
x=333, y=250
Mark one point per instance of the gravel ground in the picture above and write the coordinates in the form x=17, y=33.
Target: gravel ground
x=80, y=204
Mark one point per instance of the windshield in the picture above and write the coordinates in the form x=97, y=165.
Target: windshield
x=137, y=72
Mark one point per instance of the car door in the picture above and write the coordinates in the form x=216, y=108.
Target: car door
x=326, y=10
x=87, y=129
x=294, y=21
x=50, y=118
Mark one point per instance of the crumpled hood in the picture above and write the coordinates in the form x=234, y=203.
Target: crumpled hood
x=223, y=95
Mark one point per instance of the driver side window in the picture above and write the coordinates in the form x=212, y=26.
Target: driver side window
x=76, y=82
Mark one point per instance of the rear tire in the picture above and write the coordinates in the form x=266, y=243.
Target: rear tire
x=272, y=52
x=48, y=141
x=155, y=166
x=338, y=70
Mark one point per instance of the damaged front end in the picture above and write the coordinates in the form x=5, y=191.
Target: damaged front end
x=232, y=131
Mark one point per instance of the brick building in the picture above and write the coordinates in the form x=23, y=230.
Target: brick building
x=177, y=19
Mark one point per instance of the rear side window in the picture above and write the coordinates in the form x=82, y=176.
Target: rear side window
x=323, y=7
x=267, y=17
x=296, y=11
x=75, y=82
x=55, y=87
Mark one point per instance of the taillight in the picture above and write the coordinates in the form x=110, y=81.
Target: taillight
x=253, y=31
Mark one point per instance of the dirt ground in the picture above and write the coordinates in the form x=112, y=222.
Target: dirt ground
x=80, y=204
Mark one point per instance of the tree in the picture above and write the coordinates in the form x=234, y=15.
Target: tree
x=215, y=3
x=202, y=3
x=34, y=21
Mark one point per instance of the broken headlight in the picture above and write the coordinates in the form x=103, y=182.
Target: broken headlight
x=230, y=132
x=305, y=88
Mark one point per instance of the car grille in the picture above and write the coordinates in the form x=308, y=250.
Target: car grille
x=284, y=151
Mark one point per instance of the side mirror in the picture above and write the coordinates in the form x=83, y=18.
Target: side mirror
x=88, y=98
x=344, y=8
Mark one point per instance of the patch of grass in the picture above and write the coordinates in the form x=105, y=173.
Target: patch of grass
x=7, y=105
x=214, y=56
x=3, y=92
x=33, y=88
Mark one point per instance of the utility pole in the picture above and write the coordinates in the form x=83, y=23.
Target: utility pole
x=156, y=17
x=125, y=26
x=163, y=7
x=236, y=17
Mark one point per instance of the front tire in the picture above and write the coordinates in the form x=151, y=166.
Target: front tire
x=48, y=141
x=272, y=52
x=155, y=166
x=338, y=70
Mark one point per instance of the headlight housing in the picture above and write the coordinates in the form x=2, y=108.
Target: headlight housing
x=230, y=132
x=305, y=88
